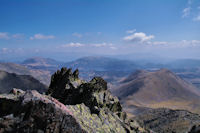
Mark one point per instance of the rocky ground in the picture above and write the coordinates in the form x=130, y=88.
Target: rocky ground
x=71, y=105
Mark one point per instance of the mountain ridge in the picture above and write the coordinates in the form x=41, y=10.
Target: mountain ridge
x=156, y=89
x=8, y=81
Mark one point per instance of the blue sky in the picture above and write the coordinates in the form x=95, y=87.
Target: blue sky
x=61, y=29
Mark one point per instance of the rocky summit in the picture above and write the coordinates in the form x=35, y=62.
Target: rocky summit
x=69, y=106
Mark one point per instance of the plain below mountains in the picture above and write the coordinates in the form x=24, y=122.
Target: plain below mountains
x=143, y=90
x=8, y=81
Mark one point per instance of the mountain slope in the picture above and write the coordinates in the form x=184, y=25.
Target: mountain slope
x=157, y=89
x=41, y=75
x=8, y=81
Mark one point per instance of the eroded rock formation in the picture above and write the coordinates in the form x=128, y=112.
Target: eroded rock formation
x=71, y=105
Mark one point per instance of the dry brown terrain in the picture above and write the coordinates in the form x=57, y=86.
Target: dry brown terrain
x=157, y=90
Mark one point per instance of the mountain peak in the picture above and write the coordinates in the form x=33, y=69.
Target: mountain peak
x=156, y=89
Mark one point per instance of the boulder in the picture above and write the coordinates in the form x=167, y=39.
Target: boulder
x=32, y=112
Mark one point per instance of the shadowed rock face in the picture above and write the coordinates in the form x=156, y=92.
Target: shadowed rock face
x=81, y=107
x=61, y=82
x=69, y=89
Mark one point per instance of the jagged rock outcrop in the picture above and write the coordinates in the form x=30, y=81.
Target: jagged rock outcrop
x=69, y=89
x=90, y=100
x=62, y=82
x=77, y=107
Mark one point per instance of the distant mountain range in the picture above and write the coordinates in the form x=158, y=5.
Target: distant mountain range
x=42, y=63
x=111, y=69
x=160, y=99
x=8, y=81
x=102, y=64
x=157, y=89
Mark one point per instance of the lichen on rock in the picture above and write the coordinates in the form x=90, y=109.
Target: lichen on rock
x=33, y=112
x=93, y=94
x=90, y=101
x=70, y=106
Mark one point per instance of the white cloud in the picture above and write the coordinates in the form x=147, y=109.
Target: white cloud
x=73, y=45
x=190, y=42
x=11, y=50
x=102, y=44
x=18, y=36
x=5, y=50
x=195, y=41
x=197, y=18
x=4, y=35
x=160, y=43
x=91, y=45
x=130, y=31
x=77, y=35
x=186, y=12
x=184, y=44
x=138, y=37
x=41, y=36
x=189, y=11
x=114, y=48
